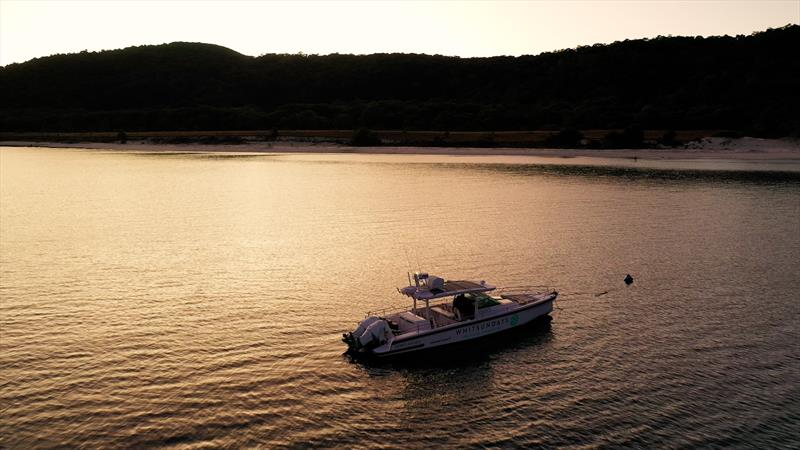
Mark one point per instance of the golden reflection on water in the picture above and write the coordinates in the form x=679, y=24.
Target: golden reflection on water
x=152, y=299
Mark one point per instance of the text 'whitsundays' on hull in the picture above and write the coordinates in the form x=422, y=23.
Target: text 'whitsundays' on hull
x=453, y=312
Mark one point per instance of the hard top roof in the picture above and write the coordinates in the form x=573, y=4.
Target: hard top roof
x=450, y=288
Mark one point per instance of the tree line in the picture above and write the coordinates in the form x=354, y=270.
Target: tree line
x=747, y=84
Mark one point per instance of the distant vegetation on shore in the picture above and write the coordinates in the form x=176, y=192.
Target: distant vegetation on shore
x=363, y=137
x=744, y=84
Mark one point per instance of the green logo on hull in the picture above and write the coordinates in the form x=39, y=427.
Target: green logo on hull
x=514, y=320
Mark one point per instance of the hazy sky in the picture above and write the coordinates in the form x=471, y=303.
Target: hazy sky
x=29, y=28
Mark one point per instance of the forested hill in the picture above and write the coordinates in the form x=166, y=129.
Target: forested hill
x=744, y=83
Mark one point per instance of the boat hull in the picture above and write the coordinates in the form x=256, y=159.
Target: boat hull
x=466, y=331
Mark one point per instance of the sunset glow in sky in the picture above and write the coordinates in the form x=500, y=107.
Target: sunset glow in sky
x=30, y=29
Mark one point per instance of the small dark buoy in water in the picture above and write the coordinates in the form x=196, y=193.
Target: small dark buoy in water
x=629, y=280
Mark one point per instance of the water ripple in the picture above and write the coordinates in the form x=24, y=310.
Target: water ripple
x=198, y=302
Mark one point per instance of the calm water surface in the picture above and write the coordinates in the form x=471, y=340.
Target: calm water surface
x=195, y=300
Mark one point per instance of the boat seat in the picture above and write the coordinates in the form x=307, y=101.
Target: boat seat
x=411, y=317
x=444, y=312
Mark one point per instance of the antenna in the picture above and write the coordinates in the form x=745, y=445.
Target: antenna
x=408, y=265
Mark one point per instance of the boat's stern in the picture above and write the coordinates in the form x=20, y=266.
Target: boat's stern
x=348, y=339
x=372, y=333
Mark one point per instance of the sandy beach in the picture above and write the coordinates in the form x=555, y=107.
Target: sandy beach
x=743, y=149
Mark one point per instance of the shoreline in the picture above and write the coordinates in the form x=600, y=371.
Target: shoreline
x=741, y=149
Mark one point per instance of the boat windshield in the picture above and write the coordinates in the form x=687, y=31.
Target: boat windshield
x=483, y=300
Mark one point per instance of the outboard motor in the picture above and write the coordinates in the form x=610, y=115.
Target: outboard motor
x=364, y=325
x=376, y=334
x=371, y=332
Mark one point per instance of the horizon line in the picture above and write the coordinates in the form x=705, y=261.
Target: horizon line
x=301, y=53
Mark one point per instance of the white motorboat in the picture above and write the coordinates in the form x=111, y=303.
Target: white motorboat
x=454, y=311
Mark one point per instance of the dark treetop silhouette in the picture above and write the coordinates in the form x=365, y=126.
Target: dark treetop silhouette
x=748, y=84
